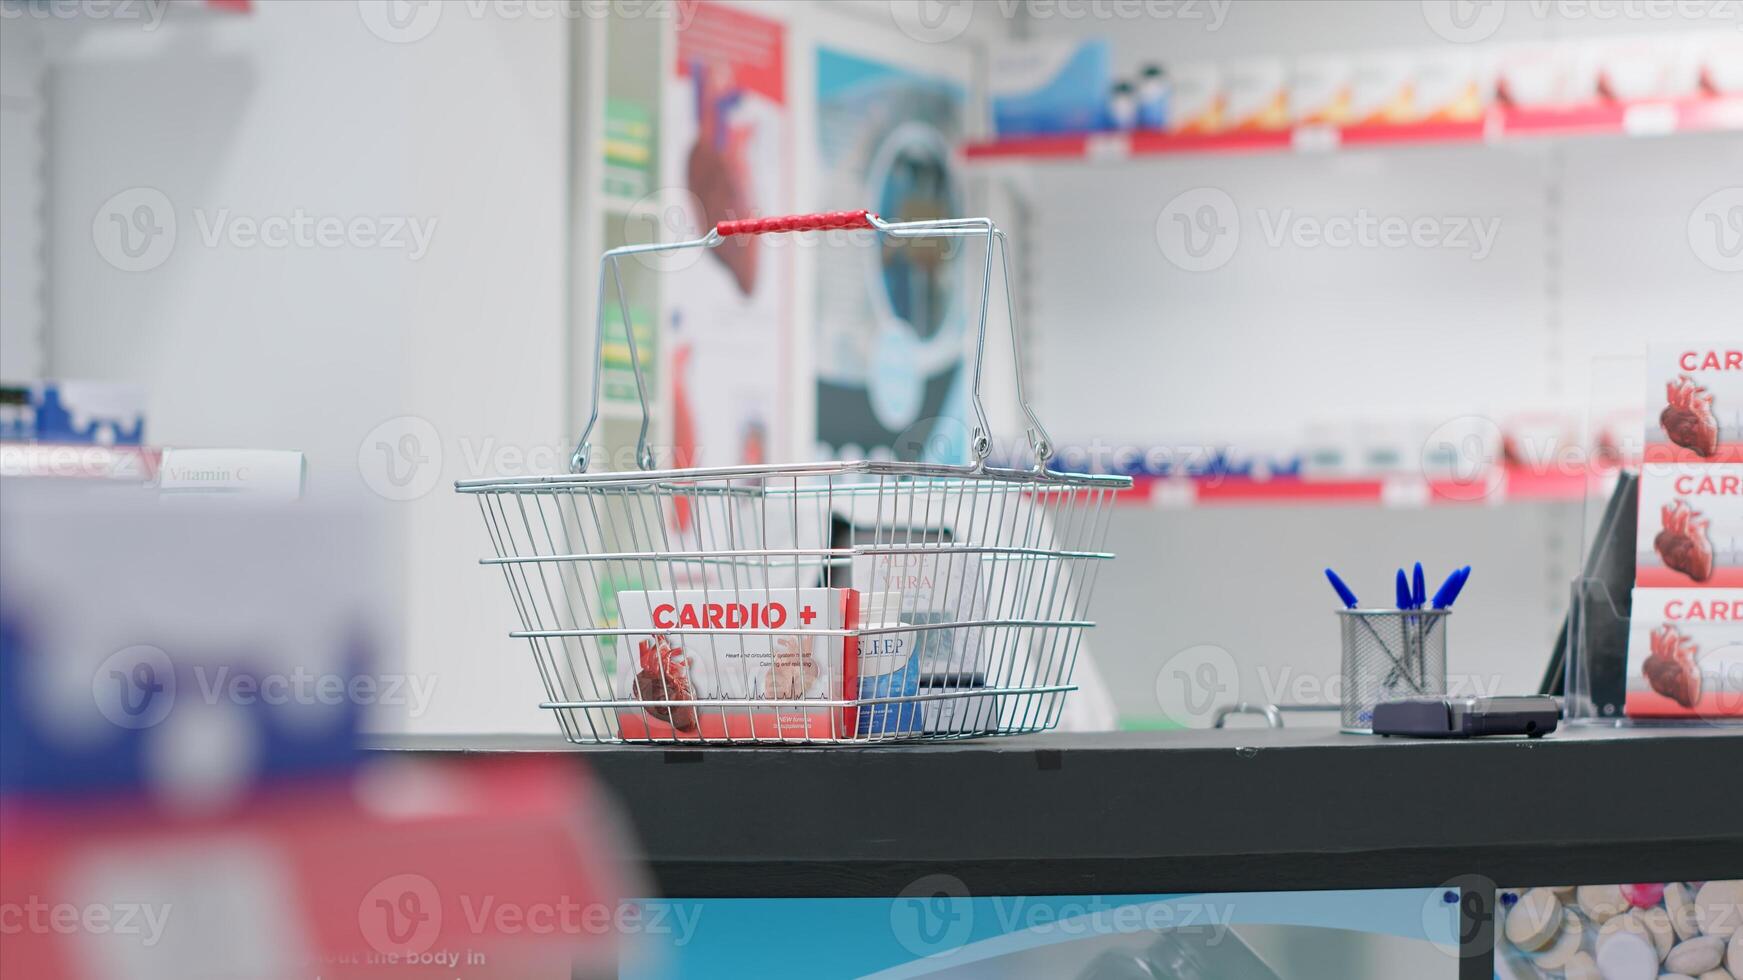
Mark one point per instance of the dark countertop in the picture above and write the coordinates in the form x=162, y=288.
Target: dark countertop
x=1241, y=809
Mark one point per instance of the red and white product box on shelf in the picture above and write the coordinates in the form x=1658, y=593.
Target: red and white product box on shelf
x=1685, y=654
x=1691, y=527
x=692, y=652
x=1694, y=403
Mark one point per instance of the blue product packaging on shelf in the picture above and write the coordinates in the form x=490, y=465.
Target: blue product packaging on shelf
x=86, y=412
x=1043, y=87
x=1153, y=98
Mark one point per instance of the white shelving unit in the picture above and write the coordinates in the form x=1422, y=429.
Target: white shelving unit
x=1592, y=256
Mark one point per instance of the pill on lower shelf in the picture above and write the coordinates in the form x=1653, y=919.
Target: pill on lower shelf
x=1657, y=923
x=1581, y=966
x=1734, y=954
x=1681, y=907
x=1696, y=956
x=1645, y=895
x=1619, y=923
x=1627, y=955
x=1534, y=919
x=1567, y=943
x=1601, y=903
x=1719, y=907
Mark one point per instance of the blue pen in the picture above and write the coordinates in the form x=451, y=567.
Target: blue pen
x=1418, y=589
x=1343, y=591
x=1449, y=592
x=1464, y=575
x=1410, y=656
x=1448, y=589
x=1350, y=602
x=1410, y=670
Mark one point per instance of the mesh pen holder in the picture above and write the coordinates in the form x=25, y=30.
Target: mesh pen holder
x=1390, y=654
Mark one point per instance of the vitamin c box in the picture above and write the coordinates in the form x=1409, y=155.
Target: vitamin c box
x=1694, y=403
x=1685, y=654
x=691, y=651
x=1691, y=527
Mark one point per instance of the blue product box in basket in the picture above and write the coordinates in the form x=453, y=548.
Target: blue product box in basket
x=889, y=667
x=781, y=664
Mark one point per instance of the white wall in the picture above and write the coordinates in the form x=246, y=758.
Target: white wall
x=301, y=106
x=22, y=173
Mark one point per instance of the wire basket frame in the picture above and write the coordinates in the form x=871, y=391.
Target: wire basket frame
x=841, y=602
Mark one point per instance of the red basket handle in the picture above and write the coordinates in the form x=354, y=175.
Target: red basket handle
x=822, y=221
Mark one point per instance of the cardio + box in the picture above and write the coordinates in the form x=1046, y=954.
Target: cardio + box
x=1691, y=527
x=752, y=645
x=1694, y=403
x=1685, y=654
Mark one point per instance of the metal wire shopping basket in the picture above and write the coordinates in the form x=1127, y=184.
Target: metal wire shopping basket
x=839, y=602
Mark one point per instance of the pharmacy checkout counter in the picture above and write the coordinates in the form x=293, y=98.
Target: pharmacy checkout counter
x=1202, y=812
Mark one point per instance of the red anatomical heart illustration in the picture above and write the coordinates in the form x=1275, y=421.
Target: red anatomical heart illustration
x=718, y=173
x=1683, y=543
x=1688, y=418
x=665, y=676
x=1670, y=669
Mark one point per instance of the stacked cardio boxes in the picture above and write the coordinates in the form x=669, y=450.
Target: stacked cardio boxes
x=1685, y=647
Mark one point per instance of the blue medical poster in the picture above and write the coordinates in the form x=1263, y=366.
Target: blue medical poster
x=891, y=378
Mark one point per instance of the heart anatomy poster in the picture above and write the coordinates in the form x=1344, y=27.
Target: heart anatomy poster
x=892, y=381
x=726, y=142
